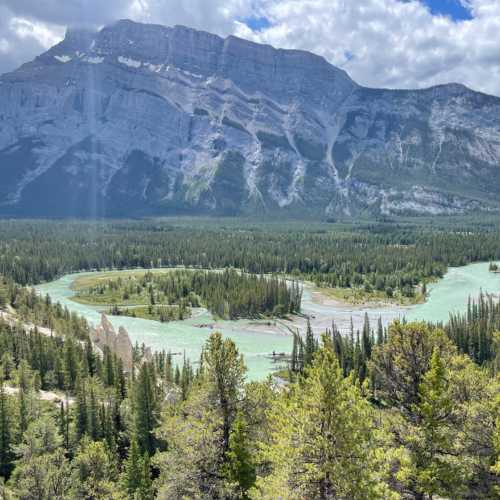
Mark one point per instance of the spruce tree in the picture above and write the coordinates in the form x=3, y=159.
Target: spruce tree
x=5, y=433
x=293, y=357
x=145, y=409
x=366, y=338
x=310, y=345
x=380, y=332
x=145, y=490
x=132, y=470
x=240, y=467
x=321, y=439
x=81, y=409
x=438, y=473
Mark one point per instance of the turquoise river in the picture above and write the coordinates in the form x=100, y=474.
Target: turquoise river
x=257, y=340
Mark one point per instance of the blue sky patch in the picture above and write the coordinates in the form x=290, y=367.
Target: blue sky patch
x=257, y=23
x=451, y=8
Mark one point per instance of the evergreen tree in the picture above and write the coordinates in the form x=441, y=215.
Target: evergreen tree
x=380, y=332
x=22, y=412
x=366, y=338
x=293, y=357
x=322, y=437
x=94, y=472
x=145, y=490
x=224, y=372
x=132, y=472
x=64, y=423
x=81, y=409
x=198, y=430
x=5, y=433
x=93, y=421
x=145, y=409
x=3, y=295
x=42, y=470
x=310, y=345
x=433, y=447
x=400, y=364
x=240, y=467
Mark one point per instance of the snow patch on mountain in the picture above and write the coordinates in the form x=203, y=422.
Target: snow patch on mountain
x=131, y=63
x=63, y=58
x=187, y=121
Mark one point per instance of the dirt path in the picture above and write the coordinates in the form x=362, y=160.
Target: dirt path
x=9, y=316
x=44, y=395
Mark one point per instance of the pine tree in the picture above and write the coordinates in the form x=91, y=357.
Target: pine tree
x=240, y=468
x=380, y=332
x=438, y=473
x=145, y=490
x=145, y=409
x=93, y=423
x=321, y=439
x=64, y=424
x=132, y=471
x=81, y=409
x=90, y=358
x=3, y=295
x=71, y=367
x=22, y=412
x=224, y=372
x=310, y=345
x=109, y=368
x=300, y=356
x=366, y=338
x=5, y=433
x=198, y=431
x=293, y=357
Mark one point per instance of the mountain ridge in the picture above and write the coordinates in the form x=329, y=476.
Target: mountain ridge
x=144, y=119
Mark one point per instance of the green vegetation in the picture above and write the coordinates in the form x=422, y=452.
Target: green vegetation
x=476, y=332
x=160, y=313
x=411, y=411
x=391, y=259
x=366, y=294
x=227, y=294
x=403, y=400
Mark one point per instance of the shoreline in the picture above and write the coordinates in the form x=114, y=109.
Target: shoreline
x=320, y=295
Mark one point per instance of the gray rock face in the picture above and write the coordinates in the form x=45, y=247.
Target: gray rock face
x=104, y=335
x=144, y=119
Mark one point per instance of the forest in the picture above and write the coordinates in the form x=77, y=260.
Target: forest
x=408, y=400
x=227, y=294
x=395, y=259
x=411, y=411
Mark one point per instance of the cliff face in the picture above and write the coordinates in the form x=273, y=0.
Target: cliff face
x=118, y=343
x=139, y=119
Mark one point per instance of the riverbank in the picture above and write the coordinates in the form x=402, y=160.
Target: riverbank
x=345, y=296
x=362, y=298
x=257, y=339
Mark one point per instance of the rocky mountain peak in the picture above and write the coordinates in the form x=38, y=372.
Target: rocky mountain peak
x=138, y=118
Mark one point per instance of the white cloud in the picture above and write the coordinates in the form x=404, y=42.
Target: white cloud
x=217, y=16
x=391, y=43
x=24, y=28
x=388, y=43
x=4, y=46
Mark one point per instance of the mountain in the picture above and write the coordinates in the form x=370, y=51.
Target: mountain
x=143, y=119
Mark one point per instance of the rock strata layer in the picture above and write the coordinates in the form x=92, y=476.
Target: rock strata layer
x=140, y=119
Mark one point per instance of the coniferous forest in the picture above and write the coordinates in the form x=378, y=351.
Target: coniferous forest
x=228, y=294
x=389, y=257
x=406, y=411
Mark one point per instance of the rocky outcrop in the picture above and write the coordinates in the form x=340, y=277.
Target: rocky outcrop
x=141, y=119
x=119, y=343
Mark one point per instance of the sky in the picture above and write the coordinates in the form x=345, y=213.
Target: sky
x=380, y=43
